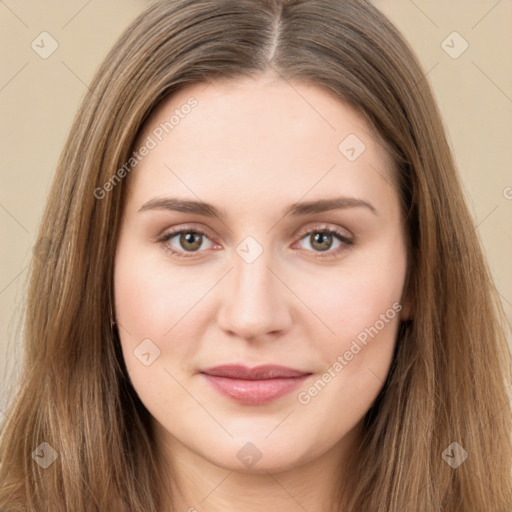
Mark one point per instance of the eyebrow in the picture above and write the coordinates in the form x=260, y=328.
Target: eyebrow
x=295, y=210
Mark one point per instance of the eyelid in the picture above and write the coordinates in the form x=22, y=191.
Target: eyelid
x=324, y=226
x=186, y=227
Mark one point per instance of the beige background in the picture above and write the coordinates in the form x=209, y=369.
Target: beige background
x=39, y=97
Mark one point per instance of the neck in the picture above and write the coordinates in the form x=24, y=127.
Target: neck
x=199, y=485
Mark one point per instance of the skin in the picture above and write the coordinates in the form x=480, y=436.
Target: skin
x=252, y=147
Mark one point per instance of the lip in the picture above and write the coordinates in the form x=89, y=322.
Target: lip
x=254, y=386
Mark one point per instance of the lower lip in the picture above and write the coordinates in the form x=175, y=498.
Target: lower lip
x=254, y=392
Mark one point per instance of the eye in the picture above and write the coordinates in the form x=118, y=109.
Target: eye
x=321, y=238
x=188, y=240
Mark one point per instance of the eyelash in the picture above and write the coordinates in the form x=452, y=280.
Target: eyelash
x=315, y=229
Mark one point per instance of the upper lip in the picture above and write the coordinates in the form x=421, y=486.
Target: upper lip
x=262, y=372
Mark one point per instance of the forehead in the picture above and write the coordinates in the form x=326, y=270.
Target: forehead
x=256, y=136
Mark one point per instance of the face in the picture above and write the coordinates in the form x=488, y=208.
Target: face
x=303, y=267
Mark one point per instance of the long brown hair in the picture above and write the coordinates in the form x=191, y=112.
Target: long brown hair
x=450, y=370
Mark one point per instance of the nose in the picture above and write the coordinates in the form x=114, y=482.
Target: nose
x=254, y=300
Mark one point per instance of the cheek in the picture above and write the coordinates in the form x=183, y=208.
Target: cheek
x=361, y=296
x=151, y=298
x=148, y=303
x=359, y=345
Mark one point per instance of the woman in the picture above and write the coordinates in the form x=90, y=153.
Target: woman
x=262, y=286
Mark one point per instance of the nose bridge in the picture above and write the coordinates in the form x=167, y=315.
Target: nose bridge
x=254, y=303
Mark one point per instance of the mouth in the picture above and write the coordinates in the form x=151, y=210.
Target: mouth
x=254, y=386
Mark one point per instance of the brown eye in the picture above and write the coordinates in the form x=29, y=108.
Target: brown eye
x=190, y=240
x=321, y=241
x=181, y=242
